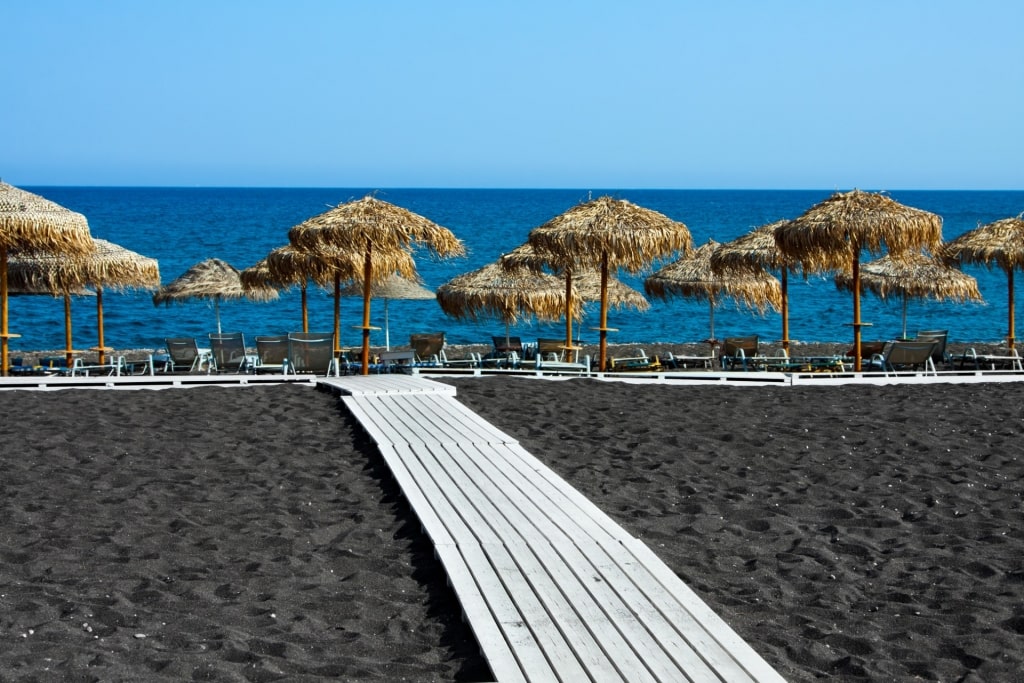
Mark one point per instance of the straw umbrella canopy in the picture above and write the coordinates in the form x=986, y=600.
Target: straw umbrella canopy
x=693, y=277
x=912, y=276
x=608, y=234
x=369, y=226
x=1000, y=243
x=211, y=279
x=395, y=287
x=109, y=266
x=326, y=266
x=28, y=221
x=508, y=294
x=586, y=283
x=752, y=253
x=831, y=235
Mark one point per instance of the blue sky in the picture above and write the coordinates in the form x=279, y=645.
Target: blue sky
x=554, y=93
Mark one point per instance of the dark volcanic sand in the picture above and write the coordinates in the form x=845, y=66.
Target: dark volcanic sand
x=850, y=533
x=229, y=534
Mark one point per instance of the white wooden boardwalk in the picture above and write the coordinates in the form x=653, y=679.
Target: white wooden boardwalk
x=553, y=588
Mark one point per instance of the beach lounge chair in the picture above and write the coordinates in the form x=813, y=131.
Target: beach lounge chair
x=427, y=347
x=553, y=355
x=900, y=355
x=1004, y=359
x=670, y=360
x=941, y=336
x=470, y=360
x=507, y=352
x=271, y=353
x=737, y=352
x=312, y=352
x=228, y=351
x=640, y=361
x=185, y=353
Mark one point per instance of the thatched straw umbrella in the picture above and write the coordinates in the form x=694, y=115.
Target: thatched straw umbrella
x=27, y=221
x=608, y=234
x=831, y=235
x=586, y=284
x=211, y=279
x=367, y=227
x=692, y=277
x=912, y=276
x=287, y=266
x=1000, y=243
x=752, y=253
x=395, y=287
x=108, y=266
x=505, y=293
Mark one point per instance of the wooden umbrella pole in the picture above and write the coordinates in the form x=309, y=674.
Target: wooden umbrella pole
x=1010, y=339
x=711, y=317
x=69, y=357
x=603, y=356
x=367, y=275
x=99, y=326
x=568, y=308
x=785, y=310
x=305, y=310
x=856, y=310
x=3, y=311
x=337, y=314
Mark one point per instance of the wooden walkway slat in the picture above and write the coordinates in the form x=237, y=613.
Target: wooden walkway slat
x=553, y=588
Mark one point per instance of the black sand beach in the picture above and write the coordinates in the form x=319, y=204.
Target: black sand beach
x=848, y=533
x=228, y=534
x=851, y=533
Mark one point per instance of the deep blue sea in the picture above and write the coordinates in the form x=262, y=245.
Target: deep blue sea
x=183, y=226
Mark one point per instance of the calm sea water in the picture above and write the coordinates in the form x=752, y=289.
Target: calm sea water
x=182, y=226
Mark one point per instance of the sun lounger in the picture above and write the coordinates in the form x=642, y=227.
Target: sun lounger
x=900, y=356
x=1007, y=359
x=639, y=362
x=736, y=352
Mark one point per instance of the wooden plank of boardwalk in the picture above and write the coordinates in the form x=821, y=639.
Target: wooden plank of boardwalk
x=553, y=588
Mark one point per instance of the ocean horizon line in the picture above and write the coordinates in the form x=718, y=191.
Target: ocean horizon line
x=383, y=188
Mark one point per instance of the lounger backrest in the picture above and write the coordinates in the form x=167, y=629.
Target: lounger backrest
x=427, y=345
x=311, y=352
x=512, y=344
x=182, y=350
x=272, y=349
x=546, y=347
x=228, y=350
x=733, y=345
x=939, y=354
x=909, y=353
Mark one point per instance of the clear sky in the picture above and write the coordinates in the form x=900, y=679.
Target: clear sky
x=887, y=94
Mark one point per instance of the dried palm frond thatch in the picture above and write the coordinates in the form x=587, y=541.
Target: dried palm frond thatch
x=1001, y=244
x=107, y=266
x=754, y=252
x=369, y=227
x=912, y=276
x=607, y=234
x=28, y=221
x=692, y=277
x=395, y=287
x=211, y=279
x=586, y=283
x=506, y=294
x=831, y=235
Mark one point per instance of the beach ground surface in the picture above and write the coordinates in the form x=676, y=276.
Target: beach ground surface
x=848, y=533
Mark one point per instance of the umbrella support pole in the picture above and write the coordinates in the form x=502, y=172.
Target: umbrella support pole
x=857, y=365
x=69, y=357
x=568, y=308
x=603, y=355
x=4, y=332
x=367, y=277
x=337, y=315
x=1010, y=341
x=785, y=310
x=305, y=311
x=101, y=355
